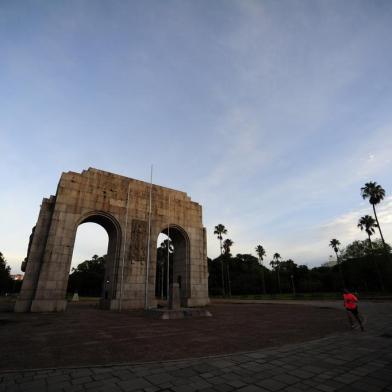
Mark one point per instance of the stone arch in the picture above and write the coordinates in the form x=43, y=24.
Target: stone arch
x=113, y=229
x=180, y=270
x=121, y=205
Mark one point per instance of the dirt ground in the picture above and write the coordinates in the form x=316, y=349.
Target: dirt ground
x=84, y=335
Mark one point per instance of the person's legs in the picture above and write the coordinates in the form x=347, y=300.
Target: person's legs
x=350, y=319
x=358, y=318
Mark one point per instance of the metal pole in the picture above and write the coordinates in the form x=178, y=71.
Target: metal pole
x=148, y=248
x=186, y=272
x=124, y=244
x=168, y=255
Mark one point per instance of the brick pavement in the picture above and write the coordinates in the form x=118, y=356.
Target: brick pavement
x=354, y=362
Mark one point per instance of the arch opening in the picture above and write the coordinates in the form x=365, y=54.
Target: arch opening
x=94, y=265
x=172, y=264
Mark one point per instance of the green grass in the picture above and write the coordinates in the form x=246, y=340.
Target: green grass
x=304, y=296
x=299, y=296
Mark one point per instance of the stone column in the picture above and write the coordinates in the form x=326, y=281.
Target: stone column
x=35, y=256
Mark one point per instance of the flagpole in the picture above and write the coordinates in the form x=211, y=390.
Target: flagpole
x=168, y=255
x=148, y=247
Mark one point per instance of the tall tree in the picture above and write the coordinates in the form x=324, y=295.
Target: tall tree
x=375, y=193
x=368, y=224
x=5, y=277
x=358, y=249
x=261, y=253
x=275, y=264
x=227, y=244
x=290, y=266
x=334, y=244
x=219, y=231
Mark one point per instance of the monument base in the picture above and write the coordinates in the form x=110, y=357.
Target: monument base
x=172, y=314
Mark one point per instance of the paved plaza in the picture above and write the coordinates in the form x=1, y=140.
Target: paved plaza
x=345, y=361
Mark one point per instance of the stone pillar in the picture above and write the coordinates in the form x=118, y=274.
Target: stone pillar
x=35, y=256
x=174, y=297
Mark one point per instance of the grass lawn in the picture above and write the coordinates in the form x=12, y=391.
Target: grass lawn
x=307, y=296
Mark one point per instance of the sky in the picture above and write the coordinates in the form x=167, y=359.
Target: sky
x=270, y=114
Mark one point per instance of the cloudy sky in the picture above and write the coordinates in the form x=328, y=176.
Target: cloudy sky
x=271, y=114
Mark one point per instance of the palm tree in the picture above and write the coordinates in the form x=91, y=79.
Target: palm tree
x=277, y=257
x=227, y=243
x=290, y=267
x=368, y=224
x=375, y=193
x=275, y=264
x=261, y=253
x=219, y=230
x=334, y=244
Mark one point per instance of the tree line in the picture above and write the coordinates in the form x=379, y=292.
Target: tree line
x=362, y=265
x=6, y=282
x=375, y=254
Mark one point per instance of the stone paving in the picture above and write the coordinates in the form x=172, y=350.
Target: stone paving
x=352, y=361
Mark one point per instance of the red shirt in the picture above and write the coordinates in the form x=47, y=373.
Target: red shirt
x=350, y=301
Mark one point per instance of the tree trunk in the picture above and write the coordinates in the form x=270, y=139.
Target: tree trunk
x=340, y=270
x=222, y=276
x=380, y=281
x=379, y=229
x=262, y=276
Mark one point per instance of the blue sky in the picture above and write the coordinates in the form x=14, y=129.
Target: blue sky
x=270, y=114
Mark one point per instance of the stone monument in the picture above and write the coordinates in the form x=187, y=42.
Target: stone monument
x=121, y=205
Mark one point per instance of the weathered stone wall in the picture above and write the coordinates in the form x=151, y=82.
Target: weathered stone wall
x=121, y=206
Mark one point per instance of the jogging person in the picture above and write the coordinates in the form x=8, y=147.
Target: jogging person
x=350, y=303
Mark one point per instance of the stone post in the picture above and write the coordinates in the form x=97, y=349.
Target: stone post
x=174, y=297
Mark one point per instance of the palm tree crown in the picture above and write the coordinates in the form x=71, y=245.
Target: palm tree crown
x=275, y=262
x=227, y=243
x=260, y=252
x=334, y=244
x=368, y=224
x=374, y=192
x=219, y=230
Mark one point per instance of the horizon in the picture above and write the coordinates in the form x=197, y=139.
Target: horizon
x=271, y=115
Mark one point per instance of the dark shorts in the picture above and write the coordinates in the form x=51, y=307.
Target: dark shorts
x=353, y=311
